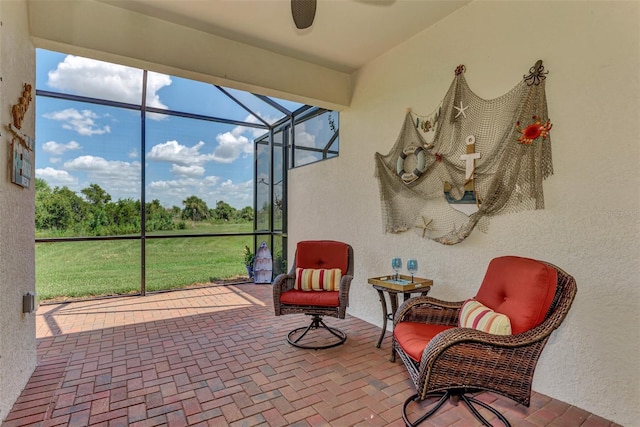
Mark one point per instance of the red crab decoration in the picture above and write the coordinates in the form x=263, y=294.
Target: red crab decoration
x=533, y=131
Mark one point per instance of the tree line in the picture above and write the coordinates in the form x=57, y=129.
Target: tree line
x=61, y=211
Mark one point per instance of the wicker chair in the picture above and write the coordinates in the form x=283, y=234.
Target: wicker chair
x=455, y=361
x=314, y=256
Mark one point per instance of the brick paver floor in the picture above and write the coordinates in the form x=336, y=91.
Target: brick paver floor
x=218, y=356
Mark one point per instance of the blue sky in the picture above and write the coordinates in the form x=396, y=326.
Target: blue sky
x=79, y=144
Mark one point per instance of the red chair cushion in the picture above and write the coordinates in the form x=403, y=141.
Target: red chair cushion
x=321, y=299
x=322, y=254
x=413, y=337
x=521, y=288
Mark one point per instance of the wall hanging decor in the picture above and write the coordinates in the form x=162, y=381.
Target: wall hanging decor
x=471, y=159
x=21, y=147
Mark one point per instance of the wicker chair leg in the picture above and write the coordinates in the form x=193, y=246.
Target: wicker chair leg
x=316, y=323
x=469, y=401
x=446, y=395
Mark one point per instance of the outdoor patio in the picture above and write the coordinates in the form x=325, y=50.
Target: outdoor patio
x=218, y=356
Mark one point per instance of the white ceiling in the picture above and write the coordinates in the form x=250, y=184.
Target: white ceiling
x=345, y=35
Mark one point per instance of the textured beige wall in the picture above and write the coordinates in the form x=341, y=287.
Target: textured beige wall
x=591, y=224
x=17, y=271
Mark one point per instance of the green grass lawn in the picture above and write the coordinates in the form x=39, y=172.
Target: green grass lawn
x=96, y=268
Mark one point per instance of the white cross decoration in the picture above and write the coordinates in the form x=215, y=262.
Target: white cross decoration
x=470, y=158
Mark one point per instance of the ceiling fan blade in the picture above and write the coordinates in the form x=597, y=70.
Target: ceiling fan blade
x=303, y=12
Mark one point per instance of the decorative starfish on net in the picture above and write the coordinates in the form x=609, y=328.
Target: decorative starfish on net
x=425, y=226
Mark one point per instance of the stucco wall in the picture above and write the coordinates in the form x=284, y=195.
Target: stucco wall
x=17, y=271
x=591, y=224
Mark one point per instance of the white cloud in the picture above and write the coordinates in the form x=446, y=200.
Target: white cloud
x=242, y=187
x=187, y=170
x=304, y=138
x=99, y=165
x=120, y=179
x=230, y=146
x=155, y=82
x=56, y=148
x=180, y=184
x=237, y=195
x=174, y=152
x=103, y=80
x=173, y=192
x=56, y=177
x=82, y=122
x=303, y=158
x=256, y=132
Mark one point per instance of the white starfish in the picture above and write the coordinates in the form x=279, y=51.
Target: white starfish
x=460, y=110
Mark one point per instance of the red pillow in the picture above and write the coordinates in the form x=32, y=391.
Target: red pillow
x=521, y=288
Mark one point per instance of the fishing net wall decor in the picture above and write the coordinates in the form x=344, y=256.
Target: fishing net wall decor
x=469, y=160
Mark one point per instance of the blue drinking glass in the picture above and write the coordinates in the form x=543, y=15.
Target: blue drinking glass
x=396, y=264
x=412, y=266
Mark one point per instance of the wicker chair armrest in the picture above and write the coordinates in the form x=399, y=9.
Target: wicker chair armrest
x=447, y=341
x=345, y=285
x=281, y=284
x=428, y=310
x=468, y=358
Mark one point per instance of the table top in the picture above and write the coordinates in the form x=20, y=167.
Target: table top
x=404, y=284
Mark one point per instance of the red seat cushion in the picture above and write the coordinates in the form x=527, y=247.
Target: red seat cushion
x=520, y=288
x=413, y=337
x=322, y=254
x=322, y=299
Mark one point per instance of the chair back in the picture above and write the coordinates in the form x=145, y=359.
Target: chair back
x=323, y=254
x=521, y=288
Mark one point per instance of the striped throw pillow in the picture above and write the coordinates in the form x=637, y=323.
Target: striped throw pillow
x=477, y=316
x=310, y=279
